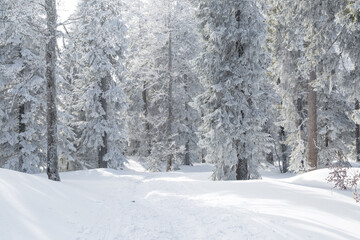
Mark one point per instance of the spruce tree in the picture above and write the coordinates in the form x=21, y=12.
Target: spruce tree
x=22, y=78
x=233, y=68
x=97, y=46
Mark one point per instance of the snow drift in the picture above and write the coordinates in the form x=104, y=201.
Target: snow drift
x=108, y=204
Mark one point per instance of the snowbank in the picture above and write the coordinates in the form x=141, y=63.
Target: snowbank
x=108, y=204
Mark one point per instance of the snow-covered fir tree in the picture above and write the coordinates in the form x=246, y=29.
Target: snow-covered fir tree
x=233, y=69
x=97, y=44
x=162, y=83
x=305, y=73
x=22, y=81
x=286, y=52
x=349, y=19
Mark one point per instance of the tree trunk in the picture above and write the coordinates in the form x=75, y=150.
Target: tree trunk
x=187, y=144
x=270, y=158
x=284, y=156
x=242, y=169
x=300, y=108
x=203, y=154
x=22, y=128
x=169, y=104
x=242, y=172
x=103, y=149
x=326, y=140
x=51, y=156
x=357, y=133
x=312, y=150
x=146, y=121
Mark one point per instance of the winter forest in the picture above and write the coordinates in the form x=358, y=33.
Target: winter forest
x=240, y=89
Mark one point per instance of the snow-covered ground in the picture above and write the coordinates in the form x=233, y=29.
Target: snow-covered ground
x=107, y=204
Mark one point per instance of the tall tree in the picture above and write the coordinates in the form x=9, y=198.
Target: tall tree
x=97, y=46
x=306, y=56
x=233, y=69
x=164, y=43
x=50, y=56
x=349, y=18
x=22, y=86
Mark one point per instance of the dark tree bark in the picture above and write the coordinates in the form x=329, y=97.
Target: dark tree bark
x=146, y=121
x=51, y=156
x=311, y=148
x=187, y=144
x=22, y=128
x=357, y=133
x=270, y=158
x=203, y=154
x=242, y=172
x=284, y=155
x=103, y=149
x=169, y=95
x=242, y=169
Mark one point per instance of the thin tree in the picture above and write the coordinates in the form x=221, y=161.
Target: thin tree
x=312, y=151
x=51, y=157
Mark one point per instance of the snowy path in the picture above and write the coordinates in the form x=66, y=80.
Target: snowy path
x=106, y=204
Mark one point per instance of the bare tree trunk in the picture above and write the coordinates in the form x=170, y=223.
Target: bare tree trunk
x=22, y=128
x=51, y=157
x=312, y=150
x=187, y=144
x=357, y=133
x=103, y=149
x=169, y=95
x=146, y=121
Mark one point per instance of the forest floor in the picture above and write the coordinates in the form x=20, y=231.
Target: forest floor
x=132, y=204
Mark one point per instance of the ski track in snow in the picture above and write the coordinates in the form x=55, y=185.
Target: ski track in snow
x=112, y=205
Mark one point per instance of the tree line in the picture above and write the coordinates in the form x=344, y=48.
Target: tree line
x=240, y=84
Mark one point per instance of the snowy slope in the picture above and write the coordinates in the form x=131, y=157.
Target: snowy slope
x=107, y=204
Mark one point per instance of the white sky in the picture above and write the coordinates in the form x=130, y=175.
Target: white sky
x=66, y=8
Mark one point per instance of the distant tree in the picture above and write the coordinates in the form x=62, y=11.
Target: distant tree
x=162, y=83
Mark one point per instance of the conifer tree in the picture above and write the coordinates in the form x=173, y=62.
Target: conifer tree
x=349, y=19
x=233, y=68
x=162, y=83
x=307, y=56
x=22, y=78
x=97, y=45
